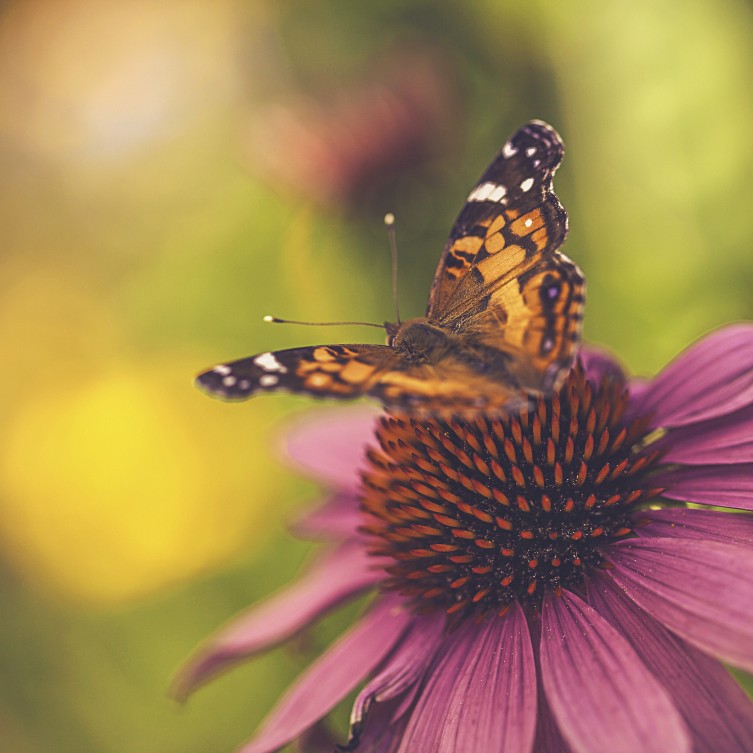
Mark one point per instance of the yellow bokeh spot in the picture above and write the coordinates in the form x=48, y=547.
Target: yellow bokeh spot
x=113, y=488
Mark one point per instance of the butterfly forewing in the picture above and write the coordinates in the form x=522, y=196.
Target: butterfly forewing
x=515, y=292
x=515, y=188
x=325, y=371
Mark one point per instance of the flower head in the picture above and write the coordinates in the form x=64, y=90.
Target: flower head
x=479, y=514
x=541, y=584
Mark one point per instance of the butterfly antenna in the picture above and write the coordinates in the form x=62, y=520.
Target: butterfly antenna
x=277, y=320
x=389, y=221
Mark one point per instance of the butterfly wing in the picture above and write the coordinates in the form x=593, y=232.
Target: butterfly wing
x=504, y=295
x=501, y=280
x=349, y=371
x=340, y=371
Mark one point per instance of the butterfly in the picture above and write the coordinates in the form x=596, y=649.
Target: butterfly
x=503, y=319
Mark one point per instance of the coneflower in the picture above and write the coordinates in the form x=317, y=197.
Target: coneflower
x=541, y=582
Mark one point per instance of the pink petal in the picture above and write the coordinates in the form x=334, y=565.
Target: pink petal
x=548, y=736
x=709, y=525
x=637, y=386
x=727, y=439
x=325, y=683
x=716, y=711
x=338, y=518
x=702, y=590
x=601, y=694
x=717, y=485
x=330, y=444
x=480, y=694
x=332, y=580
x=599, y=363
x=400, y=672
x=383, y=734
x=712, y=378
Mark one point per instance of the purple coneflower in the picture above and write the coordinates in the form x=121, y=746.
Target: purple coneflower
x=541, y=583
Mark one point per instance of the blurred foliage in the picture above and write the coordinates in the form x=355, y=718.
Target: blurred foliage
x=170, y=172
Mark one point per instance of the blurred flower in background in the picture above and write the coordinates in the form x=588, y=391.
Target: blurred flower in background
x=348, y=147
x=160, y=191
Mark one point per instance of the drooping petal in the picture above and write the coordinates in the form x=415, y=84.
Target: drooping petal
x=480, y=693
x=708, y=525
x=712, y=378
x=702, y=590
x=599, y=363
x=337, y=518
x=331, y=446
x=723, y=440
x=637, y=387
x=383, y=734
x=548, y=736
x=601, y=694
x=718, y=714
x=401, y=670
x=718, y=485
x=332, y=580
x=326, y=682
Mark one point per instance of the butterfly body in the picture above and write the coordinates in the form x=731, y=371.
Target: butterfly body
x=420, y=341
x=423, y=342
x=504, y=313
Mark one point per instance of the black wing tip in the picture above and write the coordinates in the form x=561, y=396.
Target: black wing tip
x=541, y=127
x=220, y=383
x=530, y=138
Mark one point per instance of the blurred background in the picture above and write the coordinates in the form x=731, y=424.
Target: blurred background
x=172, y=171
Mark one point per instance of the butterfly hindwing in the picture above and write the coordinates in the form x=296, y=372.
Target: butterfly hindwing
x=537, y=318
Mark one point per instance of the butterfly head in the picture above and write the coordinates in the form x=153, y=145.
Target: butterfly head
x=391, y=328
x=420, y=341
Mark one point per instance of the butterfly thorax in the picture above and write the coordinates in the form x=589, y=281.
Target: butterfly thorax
x=420, y=341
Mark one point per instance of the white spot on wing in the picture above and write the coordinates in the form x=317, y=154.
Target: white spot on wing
x=268, y=380
x=497, y=193
x=487, y=192
x=526, y=184
x=528, y=222
x=244, y=384
x=268, y=362
x=222, y=370
x=229, y=381
x=508, y=150
x=531, y=151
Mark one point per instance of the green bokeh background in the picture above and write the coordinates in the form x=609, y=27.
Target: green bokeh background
x=151, y=211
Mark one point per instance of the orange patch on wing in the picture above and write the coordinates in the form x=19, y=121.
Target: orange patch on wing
x=540, y=238
x=331, y=367
x=306, y=367
x=323, y=354
x=356, y=372
x=341, y=388
x=528, y=223
x=463, y=249
x=495, y=243
x=319, y=381
x=497, y=267
x=496, y=225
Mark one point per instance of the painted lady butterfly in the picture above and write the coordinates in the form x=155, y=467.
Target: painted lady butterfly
x=504, y=313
